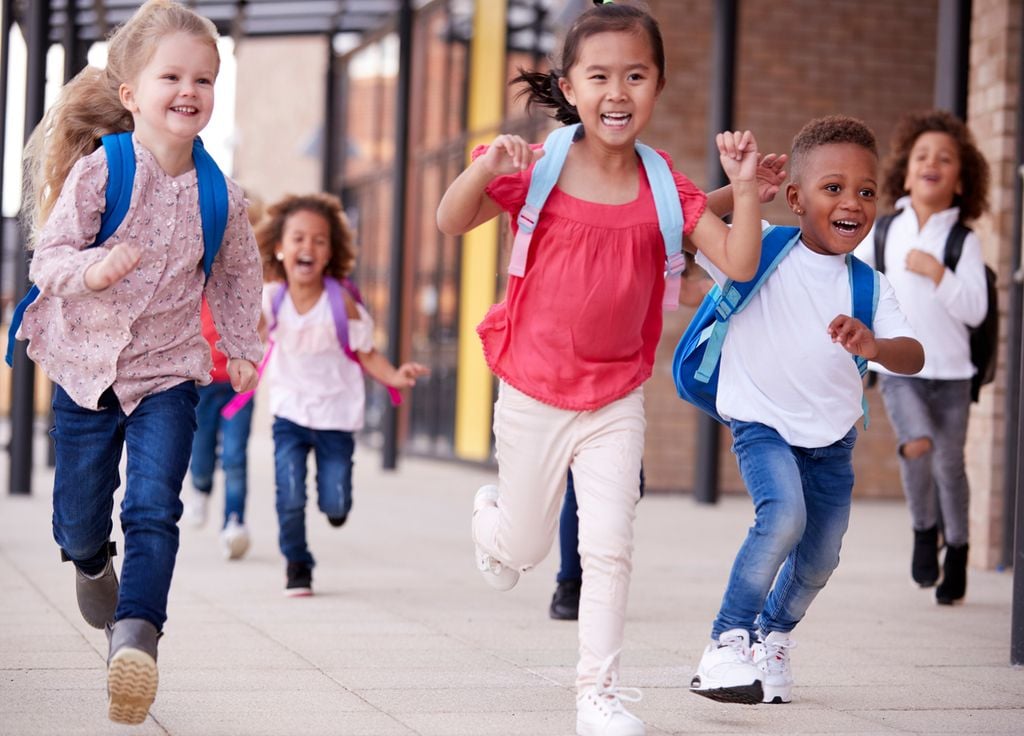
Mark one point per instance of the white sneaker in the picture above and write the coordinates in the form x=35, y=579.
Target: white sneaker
x=234, y=538
x=771, y=657
x=726, y=672
x=195, y=508
x=497, y=574
x=599, y=709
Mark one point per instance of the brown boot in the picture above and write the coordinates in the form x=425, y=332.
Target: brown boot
x=131, y=670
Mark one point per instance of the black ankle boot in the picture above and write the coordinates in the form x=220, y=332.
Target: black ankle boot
x=954, y=576
x=924, y=565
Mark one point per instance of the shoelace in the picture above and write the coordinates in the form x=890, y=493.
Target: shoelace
x=607, y=692
x=776, y=655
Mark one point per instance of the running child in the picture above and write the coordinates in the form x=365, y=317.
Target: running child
x=574, y=340
x=116, y=327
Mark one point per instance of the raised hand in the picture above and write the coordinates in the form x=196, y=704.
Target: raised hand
x=771, y=175
x=853, y=336
x=118, y=263
x=509, y=154
x=738, y=153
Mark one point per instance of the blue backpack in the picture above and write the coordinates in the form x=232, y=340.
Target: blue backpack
x=666, y=202
x=213, y=209
x=698, y=355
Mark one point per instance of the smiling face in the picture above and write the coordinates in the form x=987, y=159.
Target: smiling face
x=933, y=170
x=305, y=247
x=171, y=100
x=613, y=84
x=835, y=196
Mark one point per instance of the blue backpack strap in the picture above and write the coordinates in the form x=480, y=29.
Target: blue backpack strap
x=213, y=203
x=117, y=199
x=864, y=291
x=670, y=220
x=542, y=181
x=733, y=296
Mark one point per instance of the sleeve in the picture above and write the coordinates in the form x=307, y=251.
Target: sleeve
x=234, y=287
x=889, y=319
x=691, y=197
x=62, y=254
x=509, y=191
x=360, y=331
x=964, y=292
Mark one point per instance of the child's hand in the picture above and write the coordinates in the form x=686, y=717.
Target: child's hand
x=925, y=264
x=853, y=336
x=509, y=154
x=771, y=174
x=243, y=375
x=120, y=261
x=738, y=153
x=407, y=373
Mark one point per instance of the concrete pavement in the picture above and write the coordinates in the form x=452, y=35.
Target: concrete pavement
x=403, y=638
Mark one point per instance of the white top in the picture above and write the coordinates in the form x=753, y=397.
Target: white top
x=780, y=367
x=312, y=382
x=940, y=315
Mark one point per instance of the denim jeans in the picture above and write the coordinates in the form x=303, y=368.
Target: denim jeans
x=802, y=508
x=234, y=438
x=158, y=440
x=935, y=484
x=333, y=452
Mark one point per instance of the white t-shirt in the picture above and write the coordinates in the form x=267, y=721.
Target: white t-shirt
x=939, y=314
x=312, y=382
x=780, y=367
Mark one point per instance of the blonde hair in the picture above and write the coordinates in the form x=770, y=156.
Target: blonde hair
x=89, y=106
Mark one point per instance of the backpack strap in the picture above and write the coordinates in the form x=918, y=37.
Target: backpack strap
x=733, y=296
x=864, y=291
x=213, y=203
x=881, y=233
x=670, y=220
x=955, y=245
x=542, y=181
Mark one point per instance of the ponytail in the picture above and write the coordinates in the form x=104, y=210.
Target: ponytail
x=541, y=89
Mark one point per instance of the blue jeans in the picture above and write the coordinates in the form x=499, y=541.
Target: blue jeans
x=802, y=509
x=234, y=439
x=158, y=439
x=333, y=452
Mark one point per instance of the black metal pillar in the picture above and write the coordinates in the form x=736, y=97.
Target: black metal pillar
x=7, y=12
x=24, y=379
x=952, y=56
x=723, y=75
x=330, y=152
x=1013, y=464
x=396, y=281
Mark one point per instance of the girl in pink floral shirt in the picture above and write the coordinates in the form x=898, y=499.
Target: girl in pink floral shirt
x=117, y=326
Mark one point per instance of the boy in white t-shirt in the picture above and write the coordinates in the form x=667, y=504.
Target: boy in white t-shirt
x=792, y=396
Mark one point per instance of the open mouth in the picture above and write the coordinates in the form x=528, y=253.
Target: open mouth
x=185, y=110
x=616, y=119
x=846, y=227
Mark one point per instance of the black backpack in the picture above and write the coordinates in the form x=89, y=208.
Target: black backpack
x=984, y=337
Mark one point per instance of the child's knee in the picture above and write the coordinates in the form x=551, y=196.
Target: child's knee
x=523, y=554
x=916, y=448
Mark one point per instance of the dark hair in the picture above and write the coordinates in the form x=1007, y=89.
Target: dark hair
x=542, y=88
x=270, y=230
x=832, y=129
x=974, y=171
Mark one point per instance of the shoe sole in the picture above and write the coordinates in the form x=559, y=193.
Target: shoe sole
x=298, y=592
x=743, y=694
x=237, y=548
x=132, y=680
x=777, y=695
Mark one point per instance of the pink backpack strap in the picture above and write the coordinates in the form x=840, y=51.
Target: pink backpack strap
x=240, y=400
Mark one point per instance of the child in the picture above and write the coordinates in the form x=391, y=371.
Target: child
x=232, y=434
x=792, y=418
x=935, y=161
x=574, y=339
x=317, y=396
x=117, y=326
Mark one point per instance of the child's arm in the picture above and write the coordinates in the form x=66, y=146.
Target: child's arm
x=735, y=250
x=380, y=368
x=466, y=205
x=118, y=263
x=243, y=375
x=771, y=175
x=899, y=354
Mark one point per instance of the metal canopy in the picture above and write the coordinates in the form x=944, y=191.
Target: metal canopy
x=92, y=20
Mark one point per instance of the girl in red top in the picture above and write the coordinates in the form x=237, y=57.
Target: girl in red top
x=576, y=335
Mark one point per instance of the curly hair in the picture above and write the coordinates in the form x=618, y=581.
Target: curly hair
x=832, y=129
x=270, y=231
x=974, y=170
x=89, y=106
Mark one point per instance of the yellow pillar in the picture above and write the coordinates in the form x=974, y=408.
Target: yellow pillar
x=474, y=387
